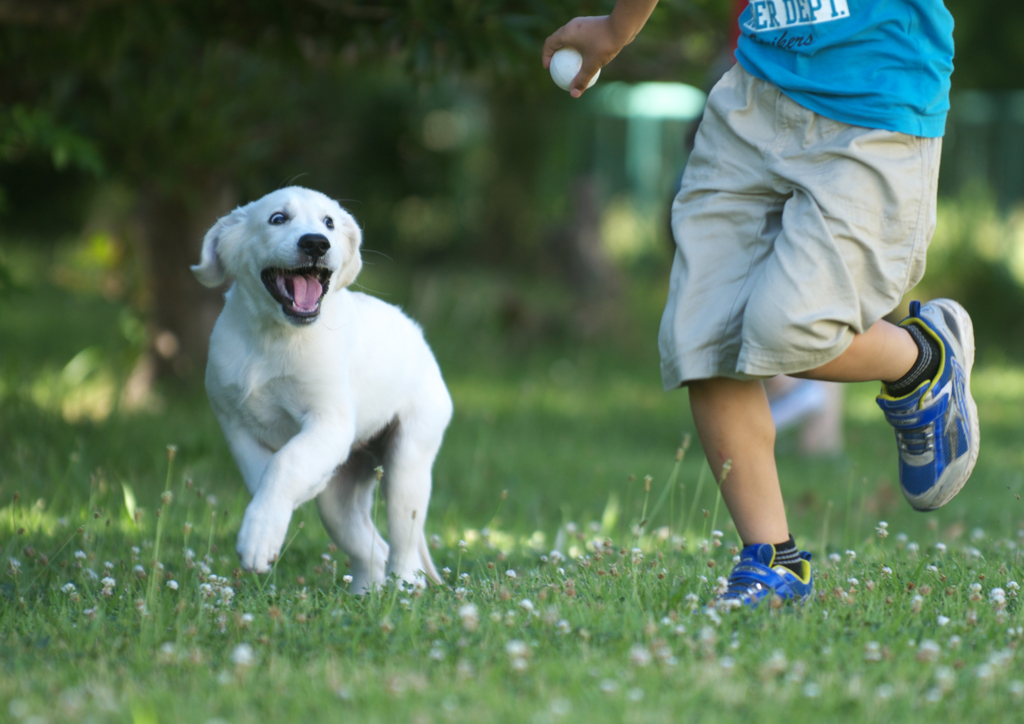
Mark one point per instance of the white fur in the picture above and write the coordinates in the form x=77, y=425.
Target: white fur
x=296, y=401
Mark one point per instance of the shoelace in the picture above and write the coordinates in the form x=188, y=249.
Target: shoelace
x=741, y=586
x=917, y=441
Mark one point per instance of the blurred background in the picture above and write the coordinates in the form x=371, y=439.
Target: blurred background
x=526, y=231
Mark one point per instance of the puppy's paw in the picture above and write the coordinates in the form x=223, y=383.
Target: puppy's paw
x=263, y=531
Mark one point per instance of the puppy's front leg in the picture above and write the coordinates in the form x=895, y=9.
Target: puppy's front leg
x=251, y=456
x=298, y=472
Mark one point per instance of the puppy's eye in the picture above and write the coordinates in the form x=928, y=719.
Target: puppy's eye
x=278, y=218
x=328, y=222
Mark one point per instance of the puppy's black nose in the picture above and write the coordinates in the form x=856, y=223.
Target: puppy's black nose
x=315, y=245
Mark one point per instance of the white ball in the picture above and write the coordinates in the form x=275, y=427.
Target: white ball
x=565, y=64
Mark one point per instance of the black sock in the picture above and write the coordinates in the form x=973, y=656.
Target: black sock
x=788, y=555
x=925, y=368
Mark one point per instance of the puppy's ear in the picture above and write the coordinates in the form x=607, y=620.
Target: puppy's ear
x=353, y=262
x=210, y=269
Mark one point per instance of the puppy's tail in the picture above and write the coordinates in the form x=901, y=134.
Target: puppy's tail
x=428, y=562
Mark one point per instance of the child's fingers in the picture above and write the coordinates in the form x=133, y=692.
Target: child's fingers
x=582, y=80
x=553, y=43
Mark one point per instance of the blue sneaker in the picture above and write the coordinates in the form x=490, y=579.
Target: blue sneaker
x=755, y=578
x=937, y=424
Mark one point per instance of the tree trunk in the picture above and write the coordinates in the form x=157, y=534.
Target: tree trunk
x=181, y=312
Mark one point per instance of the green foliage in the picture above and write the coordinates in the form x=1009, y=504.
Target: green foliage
x=989, y=53
x=24, y=130
x=977, y=257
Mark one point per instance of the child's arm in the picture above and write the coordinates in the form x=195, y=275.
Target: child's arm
x=599, y=39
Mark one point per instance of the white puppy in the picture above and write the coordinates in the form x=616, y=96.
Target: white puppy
x=315, y=386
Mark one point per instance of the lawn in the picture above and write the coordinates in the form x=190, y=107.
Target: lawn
x=579, y=543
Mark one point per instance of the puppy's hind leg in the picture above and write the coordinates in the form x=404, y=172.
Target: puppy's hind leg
x=346, y=508
x=407, y=484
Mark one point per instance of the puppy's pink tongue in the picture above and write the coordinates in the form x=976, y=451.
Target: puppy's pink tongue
x=307, y=292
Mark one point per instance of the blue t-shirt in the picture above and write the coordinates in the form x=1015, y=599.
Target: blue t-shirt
x=875, y=63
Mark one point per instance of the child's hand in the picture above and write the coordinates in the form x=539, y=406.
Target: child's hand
x=595, y=40
x=599, y=39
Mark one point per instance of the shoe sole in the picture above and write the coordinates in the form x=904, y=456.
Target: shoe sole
x=955, y=476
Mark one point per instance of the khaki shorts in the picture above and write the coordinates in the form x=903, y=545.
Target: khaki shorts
x=793, y=233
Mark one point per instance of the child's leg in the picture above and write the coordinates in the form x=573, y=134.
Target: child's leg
x=734, y=423
x=884, y=353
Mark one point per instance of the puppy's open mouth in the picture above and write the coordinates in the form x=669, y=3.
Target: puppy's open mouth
x=299, y=291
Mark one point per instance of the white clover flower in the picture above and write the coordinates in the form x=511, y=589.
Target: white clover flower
x=928, y=651
x=940, y=547
x=91, y=574
x=901, y=538
x=916, y=603
x=872, y=651
x=563, y=627
x=716, y=534
x=932, y=569
x=172, y=584
x=997, y=596
x=975, y=588
x=882, y=529
x=945, y=678
x=977, y=534
x=247, y=619
x=527, y=605
x=955, y=642
x=985, y=672
x=913, y=547
x=243, y=656
x=886, y=572
x=608, y=686
x=347, y=578
x=640, y=656
x=470, y=616
x=853, y=581
x=446, y=571
x=68, y=587
x=852, y=555
x=517, y=649
x=80, y=555
x=775, y=664
x=1013, y=585
x=942, y=620
x=510, y=573
x=462, y=546
x=835, y=557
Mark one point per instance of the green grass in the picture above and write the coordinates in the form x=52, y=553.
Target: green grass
x=569, y=427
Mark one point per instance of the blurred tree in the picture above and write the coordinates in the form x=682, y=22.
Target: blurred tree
x=198, y=104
